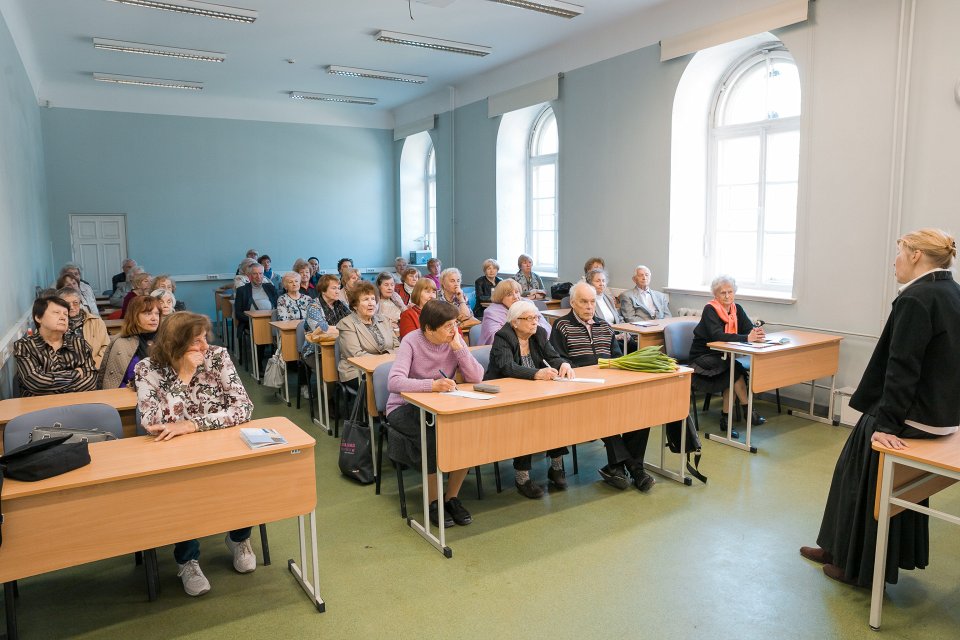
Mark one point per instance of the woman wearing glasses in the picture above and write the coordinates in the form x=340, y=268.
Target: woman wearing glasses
x=521, y=349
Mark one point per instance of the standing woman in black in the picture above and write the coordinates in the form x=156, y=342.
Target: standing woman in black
x=910, y=389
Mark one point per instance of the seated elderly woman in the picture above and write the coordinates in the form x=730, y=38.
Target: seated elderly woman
x=362, y=332
x=51, y=360
x=722, y=320
x=531, y=285
x=185, y=386
x=164, y=281
x=293, y=304
x=434, y=267
x=408, y=279
x=391, y=304
x=521, y=349
x=124, y=287
x=591, y=264
x=350, y=278
x=607, y=307
x=241, y=278
x=314, y=263
x=168, y=302
x=141, y=287
x=485, y=284
x=327, y=308
x=137, y=334
x=581, y=338
x=272, y=276
x=87, y=294
x=425, y=360
x=504, y=295
x=70, y=281
x=86, y=325
x=451, y=293
x=423, y=292
x=303, y=269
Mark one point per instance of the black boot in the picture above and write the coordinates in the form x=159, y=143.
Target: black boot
x=723, y=427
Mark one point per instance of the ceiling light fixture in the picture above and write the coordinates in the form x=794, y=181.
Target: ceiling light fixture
x=355, y=72
x=148, y=82
x=436, y=44
x=552, y=7
x=157, y=50
x=330, y=97
x=195, y=8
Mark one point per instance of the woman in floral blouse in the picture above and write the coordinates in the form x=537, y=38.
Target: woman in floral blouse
x=292, y=305
x=531, y=285
x=184, y=386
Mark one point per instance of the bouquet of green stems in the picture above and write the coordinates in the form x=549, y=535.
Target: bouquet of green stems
x=648, y=359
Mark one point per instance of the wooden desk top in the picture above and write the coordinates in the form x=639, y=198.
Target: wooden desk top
x=515, y=391
x=467, y=324
x=555, y=313
x=101, y=298
x=120, y=399
x=286, y=325
x=552, y=304
x=115, y=323
x=943, y=453
x=369, y=363
x=144, y=456
x=798, y=339
x=254, y=313
x=656, y=326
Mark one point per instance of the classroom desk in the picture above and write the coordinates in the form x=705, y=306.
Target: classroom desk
x=123, y=400
x=651, y=333
x=465, y=327
x=908, y=476
x=260, y=334
x=140, y=494
x=552, y=304
x=226, y=311
x=288, y=348
x=807, y=356
x=325, y=368
x=218, y=311
x=552, y=314
x=113, y=326
x=530, y=416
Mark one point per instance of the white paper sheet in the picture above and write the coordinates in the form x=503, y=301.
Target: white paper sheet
x=468, y=394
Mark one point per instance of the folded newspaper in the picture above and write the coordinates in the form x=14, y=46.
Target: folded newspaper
x=259, y=438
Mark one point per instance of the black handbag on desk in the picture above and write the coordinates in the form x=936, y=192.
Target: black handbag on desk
x=45, y=458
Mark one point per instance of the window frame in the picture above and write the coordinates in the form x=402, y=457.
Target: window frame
x=430, y=199
x=761, y=128
x=535, y=161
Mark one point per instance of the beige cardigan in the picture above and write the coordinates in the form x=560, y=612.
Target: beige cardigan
x=356, y=339
x=95, y=335
x=116, y=360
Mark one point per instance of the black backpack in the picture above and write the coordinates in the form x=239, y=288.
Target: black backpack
x=693, y=444
x=560, y=290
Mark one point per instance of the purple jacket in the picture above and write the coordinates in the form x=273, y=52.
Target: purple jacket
x=418, y=364
x=495, y=316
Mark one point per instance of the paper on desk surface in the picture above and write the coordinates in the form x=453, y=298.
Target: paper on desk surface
x=593, y=380
x=640, y=323
x=754, y=345
x=468, y=394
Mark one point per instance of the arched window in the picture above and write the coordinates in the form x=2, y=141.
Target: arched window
x=734, y=182
x=430, y=206
x=418, y=194
x=528, y=147
x=755, y=162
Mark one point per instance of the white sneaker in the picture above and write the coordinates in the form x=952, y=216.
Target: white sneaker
x=194, y=582
x=243, y=559
x=305, y=393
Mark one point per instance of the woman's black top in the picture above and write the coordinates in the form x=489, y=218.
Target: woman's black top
x=712, y=329
x=484, y=291
x=505, y=355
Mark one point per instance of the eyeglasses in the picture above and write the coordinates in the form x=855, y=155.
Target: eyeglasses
x=527, y=318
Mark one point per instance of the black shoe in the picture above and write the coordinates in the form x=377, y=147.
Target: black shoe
x=643, y=480
x=723, y=427
x=557, y=478
x=435, y=518
x=616, y=477
x=757, y=419
x=530, y=489
x=454, y=507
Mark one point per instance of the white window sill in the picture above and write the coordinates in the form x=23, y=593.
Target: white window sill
x=743, y=294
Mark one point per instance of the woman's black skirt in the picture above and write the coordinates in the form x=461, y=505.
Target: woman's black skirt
x=711, y=373
x=849, y=531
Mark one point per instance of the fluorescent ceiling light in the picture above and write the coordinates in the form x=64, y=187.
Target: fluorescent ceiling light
x=553, y=7
x=148, y=82
x=195, y=8
x=355, y=72
x=437, y=44
x=330, y=97
x=157, y=50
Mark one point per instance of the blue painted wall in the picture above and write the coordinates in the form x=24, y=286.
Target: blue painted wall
x=24, y=232
x=198, y=192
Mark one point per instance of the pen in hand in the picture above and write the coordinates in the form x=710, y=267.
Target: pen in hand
x=446, y=377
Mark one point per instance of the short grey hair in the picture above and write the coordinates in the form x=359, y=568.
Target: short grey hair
x=721, y=280
x=247, y=264
x=521, y=308
x=450, y=271
x=524, y=258
x=69, y=291
x=160, y=294
x=593, y=273
x=644, y=267
x=581, y=289
x=291, y=275
x=490, y=262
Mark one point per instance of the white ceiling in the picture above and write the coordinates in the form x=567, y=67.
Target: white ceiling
x=54, y=40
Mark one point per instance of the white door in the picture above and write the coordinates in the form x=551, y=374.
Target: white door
x=99, y=246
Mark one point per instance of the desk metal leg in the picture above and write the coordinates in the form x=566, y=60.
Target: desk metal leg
x=424, y=529
x=10, y=605
x=661, y=469
x=286, y=381
x=323, y=407
x=727, y=440
x=312, y=588
x=883, y=531
x=253, y=356
x=809, y=414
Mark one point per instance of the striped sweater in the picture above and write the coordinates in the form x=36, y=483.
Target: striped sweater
x=582, y=348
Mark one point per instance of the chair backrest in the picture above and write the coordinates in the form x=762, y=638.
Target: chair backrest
x=678, y=338
x=483, y=356
x=565, y=302
x=81, y=416
x=380, y=392
x=301, y=336
x=475, y=334
x=540, y=304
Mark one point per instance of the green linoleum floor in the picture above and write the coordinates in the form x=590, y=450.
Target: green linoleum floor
x=709, y=561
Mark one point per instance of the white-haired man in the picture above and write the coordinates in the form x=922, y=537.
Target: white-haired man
x=643, y=303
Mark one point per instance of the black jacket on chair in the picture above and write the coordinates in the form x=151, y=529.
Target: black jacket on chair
x=505, y=355
x=244, y=302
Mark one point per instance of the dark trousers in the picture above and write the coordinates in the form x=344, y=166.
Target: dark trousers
x=627, y=449
x=523, y=463
x=184, y=552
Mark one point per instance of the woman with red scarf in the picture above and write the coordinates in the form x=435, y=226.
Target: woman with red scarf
x=722, y=320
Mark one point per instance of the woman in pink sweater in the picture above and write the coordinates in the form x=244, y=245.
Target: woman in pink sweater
x=427, y=361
